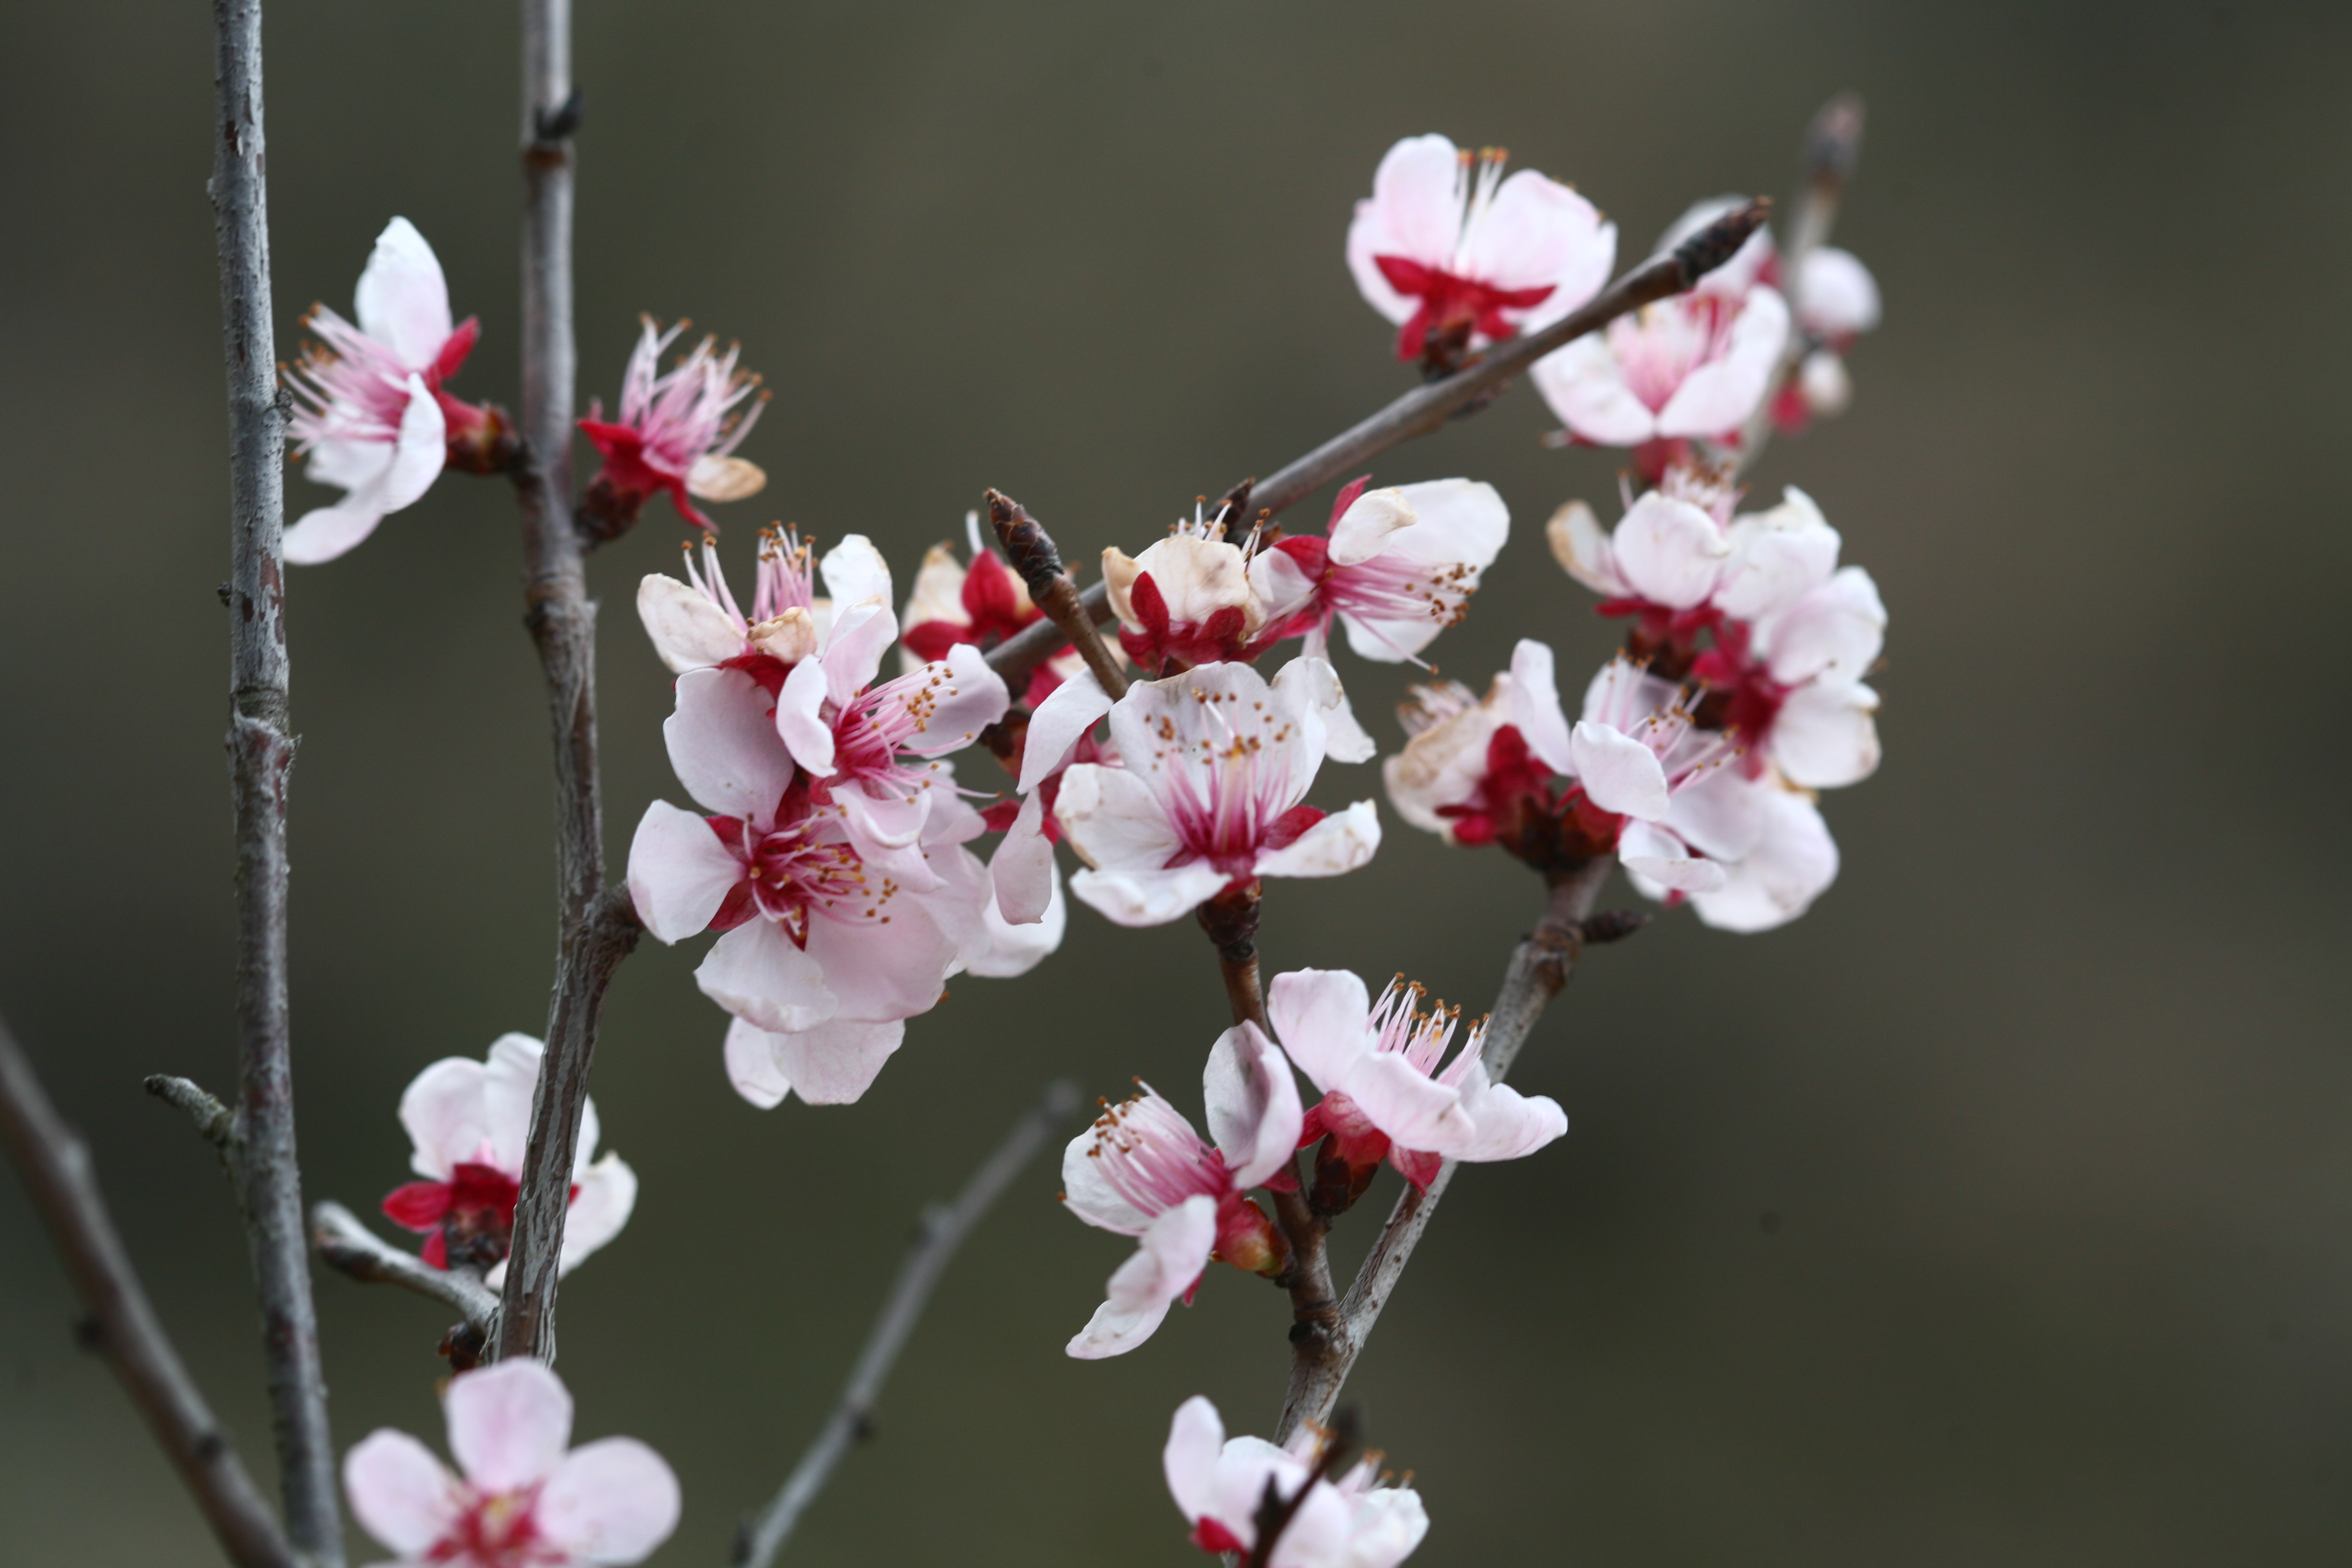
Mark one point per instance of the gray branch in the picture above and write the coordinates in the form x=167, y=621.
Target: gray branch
x=1833, y=148
x=122, y=1325
x=214, y=1121
x=261, y=753
x=942, y=1230
x=596, y=928
x=1425, y=409
x=348, y=1247
x=1539, y=966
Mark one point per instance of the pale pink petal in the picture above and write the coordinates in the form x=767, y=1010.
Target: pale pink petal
x=1385, y=1527
x=607, y=1195
x=679, y=872
x=1333, y=847
x=1721, y=814
x=1252, y=1101
x=1837, y=629
x=1365, y=529
x=1304, y=692
x=1837, y=296
x=877, y=972
x=1670, y=552
x=1199, y=578
x=1590, y=259
x=715, y=476
x=1618, y=773
x=938, y=593
x=1460, y=521
x=611, y=1502
x=1281, y=589
x=880, y=822
x=324, y=533
x=1112, y=818
x=1824, y=382
x=1086, y=1195
x=1777, y=557
x=509, y=1424
x=1012, y=951
x=442, y=1111
x=1791, y=865
x=688, y=630
x=1535, y=706
x=722, y=745
x=751, y=1066
x=1825, y=736
x=403, y=302
x=1417, y=200
x=755, y=972
x=972, y=697
x=510, y=1080
x=1583, y=548
x=852, y=653
x=1139, y=897
x=1057, y=726
x=1169, y=1256
x=1718, y=398
x=800, y=718
x=1322, y=1016
x=1506, y=1125
x=1195, y=1438
x=1653, y=852
x=418, y=454
x=854, y=573
x=833, y=1064
x=1344, y=739
x=399, y=1492
x=1538, y=231
x=1021, y=871
x=1584, y=387
x=1405, y=1102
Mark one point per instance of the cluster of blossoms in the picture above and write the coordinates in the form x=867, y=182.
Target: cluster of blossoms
x=830, y=850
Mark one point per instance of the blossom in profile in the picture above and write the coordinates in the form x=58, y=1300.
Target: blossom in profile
x=676, y=434
x=1396, y=567
x=694, y=622
x=1219, y=1482
x=369, y=415
x=523, y=1496
x=468, y=1123
x=1188, y=597
x=1388, y=1091
x=1458, y=256
x=1143, y=1171
x=1215, y=767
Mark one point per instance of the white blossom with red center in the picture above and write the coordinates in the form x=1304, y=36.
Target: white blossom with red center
x=1693, y=366
x=1446, y=244
x=677, y=432
x=696, y=623
x=1793, y=632
x=813, y=935
x=1397, y=566
x=1351, y=1522
x=1143, y=1171
x=1388, y=1091
x=468, y=1123
x=981, y=604
x=369, y=411
x=1188, y=598
x=525, y=1499
x=1215, y=767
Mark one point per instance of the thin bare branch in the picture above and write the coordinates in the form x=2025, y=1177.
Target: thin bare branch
x=941, y=1231
x=596, y=928
x=214, y=1120
x=122, y=1325
x=1425, y=409
x=1539, y=966
x=261, y=753
x=1833, y=148
x=348, y=1247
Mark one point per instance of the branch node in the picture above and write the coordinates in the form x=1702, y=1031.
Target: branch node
x=215, y=1121
x=1719, y=241
x=1612, y=925
x=550, y=127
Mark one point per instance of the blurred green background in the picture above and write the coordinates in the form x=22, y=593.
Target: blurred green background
x=2043, y=1096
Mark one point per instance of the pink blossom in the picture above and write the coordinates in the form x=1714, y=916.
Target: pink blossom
x=370, y=414
x=812, y=934
x=1216, y=766
x=696, y=623
x=1793, y=632
x=1142, y=1171
x=467, y=1121
x=527, y=1499
x=1350, y=1522
x=1446, y=245
x=1384, y=1094
x=676, y=432
x=1397, y=567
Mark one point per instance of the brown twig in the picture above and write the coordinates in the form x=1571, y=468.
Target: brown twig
x=941, y=1231
x=122, y=1325
x=1425, y=409
x=1540, y=965
x=351, y=1248
x=261, y=753
x=1833, y=148
x=1031, y=550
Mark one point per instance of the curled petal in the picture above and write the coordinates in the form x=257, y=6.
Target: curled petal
x=1670, y=550
x=1535, y=706
x=1618, y=773
x=1252, y=1101
x=1338, y=844
x=1169, y=1256
x=1584, y=549
x=1323, y=1018
x=1653, y=852
x=688, y=630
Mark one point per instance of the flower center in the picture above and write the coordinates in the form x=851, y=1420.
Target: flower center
x=1151, y=1157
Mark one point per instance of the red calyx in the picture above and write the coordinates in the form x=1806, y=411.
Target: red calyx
x=1447, y=300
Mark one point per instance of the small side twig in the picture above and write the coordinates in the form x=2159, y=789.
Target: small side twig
x=122, y=1326
x=1539, y=966
x=1031, y=550
x=1426, y=408
x=214, y=1121
x=348, y=1247
x=942, y=1230
x=1833, y=148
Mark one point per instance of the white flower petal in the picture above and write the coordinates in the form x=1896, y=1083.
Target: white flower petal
x=680, y=873
x=723, y=745
x=688, y=630
x=399, y=1492
x=1253, y=1103
x=403, y=300
x=509, y=1424
x=1619, y=773
x=611, y=1502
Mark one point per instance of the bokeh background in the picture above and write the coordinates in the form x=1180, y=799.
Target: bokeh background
x=1998, y=1210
